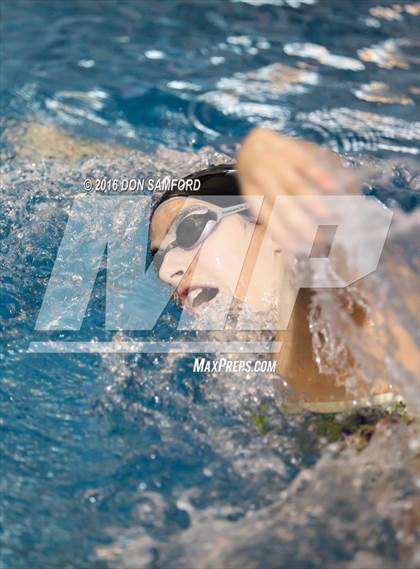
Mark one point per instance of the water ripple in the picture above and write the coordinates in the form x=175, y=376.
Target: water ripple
x=352, y=131
x=323, y=56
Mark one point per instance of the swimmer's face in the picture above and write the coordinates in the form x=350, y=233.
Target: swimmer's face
x=216, y=265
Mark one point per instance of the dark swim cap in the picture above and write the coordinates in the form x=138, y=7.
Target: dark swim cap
x=216, y=183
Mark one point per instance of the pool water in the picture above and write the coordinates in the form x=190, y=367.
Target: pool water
x=134, y=461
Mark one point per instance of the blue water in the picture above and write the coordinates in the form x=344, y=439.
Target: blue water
x=94, y=448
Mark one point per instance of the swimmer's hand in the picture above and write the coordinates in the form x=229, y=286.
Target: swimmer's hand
x=272, y=165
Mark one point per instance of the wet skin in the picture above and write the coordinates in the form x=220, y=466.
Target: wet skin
x=218, y=265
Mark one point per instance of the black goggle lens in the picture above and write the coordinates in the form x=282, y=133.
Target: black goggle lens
x=191, y=228
x=188, y=233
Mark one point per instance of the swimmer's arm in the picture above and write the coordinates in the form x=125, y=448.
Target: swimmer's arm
x=271, y=165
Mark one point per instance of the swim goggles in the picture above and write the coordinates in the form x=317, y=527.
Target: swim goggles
x=193, y=226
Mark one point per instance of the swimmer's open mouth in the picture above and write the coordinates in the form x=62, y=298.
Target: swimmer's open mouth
x=197, y=296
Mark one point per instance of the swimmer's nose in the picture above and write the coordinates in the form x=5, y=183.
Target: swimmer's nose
x=174, y=267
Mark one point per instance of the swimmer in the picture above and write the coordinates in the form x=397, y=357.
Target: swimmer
x=270, y=165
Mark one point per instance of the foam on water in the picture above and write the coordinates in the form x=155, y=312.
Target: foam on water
x=133, y=461
x=238, y=421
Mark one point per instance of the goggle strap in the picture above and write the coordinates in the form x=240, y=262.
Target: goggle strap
x=233, y=209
